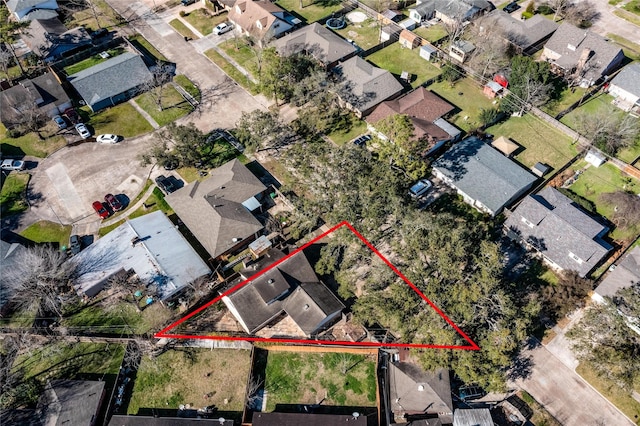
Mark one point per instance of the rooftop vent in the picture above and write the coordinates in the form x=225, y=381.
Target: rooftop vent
x=306, y=307
x=420, y=388
x=270, y=281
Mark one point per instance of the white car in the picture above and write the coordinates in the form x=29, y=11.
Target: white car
x=12, y=165
x=223, y=28
x=420, y=188
x=108, y=138
x=83, y=131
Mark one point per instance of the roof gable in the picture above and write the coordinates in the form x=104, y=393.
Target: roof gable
x=414, y=390
x=248, y=13
x=626, y=274
x=629, y=79
x=320, y=42
x=521, y=33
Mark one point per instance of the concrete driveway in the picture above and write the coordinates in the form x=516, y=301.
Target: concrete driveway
x=562, y=392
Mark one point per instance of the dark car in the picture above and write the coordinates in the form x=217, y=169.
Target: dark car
x=362, y=140
x=74, y=244
x=72, y=115
x=511, y=7
x=99, y=208
x=113, y=202
x=187, y=2
x=165, y=184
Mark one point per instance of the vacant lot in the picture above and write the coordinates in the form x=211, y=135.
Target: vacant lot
x=186, y=376
x=540, y=141
x=466, y=95
x=309, y=378
x=396, y=59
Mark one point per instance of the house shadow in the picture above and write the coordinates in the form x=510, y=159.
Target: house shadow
x=369, y=412
x=263, y=174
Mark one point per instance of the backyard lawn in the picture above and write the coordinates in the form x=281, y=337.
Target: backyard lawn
x=600, y=102
x=467, y=96
x=631, y=154
x=30, y=144
x=173, y=104
x=12, y=196
x=204, y=21
x=432, y=34
x=91, y=61
x=365, y=34
x=107, y=17
x=595, y=181
x=119, y=318
x=185, y=376
x=240, y=50
x=567, y=98
x=356, y=127
x=310, y=12
x=48, y=232
x=395, y=59
x=122, y=119
x=310, y=378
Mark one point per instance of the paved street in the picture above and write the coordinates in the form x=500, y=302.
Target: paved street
x=563, y=392
x=610, y=23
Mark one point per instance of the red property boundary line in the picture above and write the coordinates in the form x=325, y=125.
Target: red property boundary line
x=164, y=333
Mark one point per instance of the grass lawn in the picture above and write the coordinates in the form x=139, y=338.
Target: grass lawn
x=567, y=98
x=12, y=72
x=74, y=361
x=629, y=155
x=12, y=196
x=311, y=12
x=540, y=141
x=106, y=229
x=616, y=395
x=467, y=96
x=365, y=34
x=180, y=377
x=306, y=378
x=119, y=318
x=174, y=105
x=633, y=6
x=629, y=16
x=432, y=34
x=181, y=28
x=107, y=17
x=189, y=174
x=241, y=51
x=599, y=180
x=188, y=86
x=599, y=102
x=156, y=201
x=91, y=61
x=30, y=144
x=204, y=21
x=540, y=415
x=395, y=59
x=231, y=71
x=147, y=48
x=356, y=127
x=630, y=49
x=48, y=232
x=122, y=119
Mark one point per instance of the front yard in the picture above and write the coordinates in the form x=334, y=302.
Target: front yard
x=310, y=11
x=354, y=128
x=122, y=119
x=231, y=71
x=241, y=51
x=540, y=141
x=204, y=21
x=199, y=377
x=31, y=144
x=467, y=96
x=173, y=105
x=48, y=232
x=12, y=196
x=396, y=59
x=311, y=378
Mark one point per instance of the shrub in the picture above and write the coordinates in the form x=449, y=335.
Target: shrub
x=545, y=9
x=526, y=15
x=531, y=9
x=183, y=13
x=582, y=202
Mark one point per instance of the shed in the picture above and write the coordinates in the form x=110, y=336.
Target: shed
x=460, y=50
x=392, y=15
x=409, y=40
x=492, y=89
x=428, y=51
x=505, y=146
x=388, y=32
x=540, y=169
x=408, y=24
x=501, y=80
x=596, y=158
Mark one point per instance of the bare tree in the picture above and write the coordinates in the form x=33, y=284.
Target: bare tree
x=72, y=6
x=253, y=392
x=491, y=47
x=608, y=128
x=26, y=115
x=6, y=59
x=42, y=281
x=454, y=30
x=581, y=14
x=626, y=208
x=162, y=73
x=558, y=7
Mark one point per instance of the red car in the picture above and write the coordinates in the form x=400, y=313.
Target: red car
x=99, y=208
x=113, y=202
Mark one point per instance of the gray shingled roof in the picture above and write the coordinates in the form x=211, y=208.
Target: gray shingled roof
x=483, y=173
x=49, y=37
x=308, y=419
x=73, y=402
x=365, y=85
x=310, y=304
x=318, y=41
x=105, y=79
x=213, y=210
x=560, y=227
x=626, y=273
x=570, y=41
x=522, y=33
x=629, y=79
x=414, y=390
x=472, y=417
x=122, y=420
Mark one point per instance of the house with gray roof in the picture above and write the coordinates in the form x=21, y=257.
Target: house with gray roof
x=26, y=10
x=527, y=36
x=311, y=419
x=11, y=254
x=564, y=235
x=625, y=88
x=51, y=40
x=448, y=11
x=412, y=391
x=486, y=179
x=581, y=55
x=103, y=85
x=289, y=286
x=626, y=273
x=363, y=86
x=317, y=41
x=472, y=417
x=149, y=245
x=218, y=209
x=71, y=402
x=43, y=95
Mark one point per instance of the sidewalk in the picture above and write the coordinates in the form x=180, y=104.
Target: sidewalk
x=145, y=114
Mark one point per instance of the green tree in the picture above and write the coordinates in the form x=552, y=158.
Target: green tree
x=259, y=130
x=488, y=116
x=529, y=83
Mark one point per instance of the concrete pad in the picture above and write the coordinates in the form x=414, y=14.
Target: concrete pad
x=67, y=194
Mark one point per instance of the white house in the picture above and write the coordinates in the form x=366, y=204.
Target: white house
x=26, y=10
x=625, y=87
